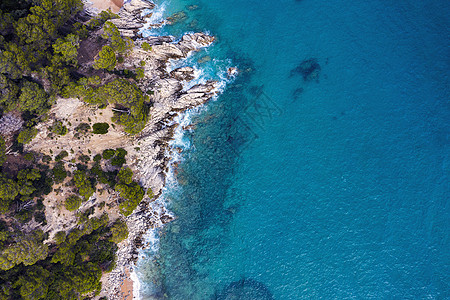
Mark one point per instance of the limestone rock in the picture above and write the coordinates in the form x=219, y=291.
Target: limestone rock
x=158, y=40
x=183, y=74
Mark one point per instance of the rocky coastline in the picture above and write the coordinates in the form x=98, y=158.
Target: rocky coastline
x=152, y=160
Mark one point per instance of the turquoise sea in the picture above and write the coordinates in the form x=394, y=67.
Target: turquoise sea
x=322, y=170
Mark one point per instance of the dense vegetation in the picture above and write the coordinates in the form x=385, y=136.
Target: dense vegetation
x=40, y=42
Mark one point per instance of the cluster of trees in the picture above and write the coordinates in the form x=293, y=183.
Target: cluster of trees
x=117, y=45
x=129, y=190
x=32, y=42
x=131, y=105
x=70, y=269
x=58, y=128
x=39, y=43
x=28, y=184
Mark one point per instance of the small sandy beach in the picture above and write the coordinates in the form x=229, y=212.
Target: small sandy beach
x=114, y=5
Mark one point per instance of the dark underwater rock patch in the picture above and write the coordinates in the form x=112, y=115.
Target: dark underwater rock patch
x=309, y=69
x=245, y=289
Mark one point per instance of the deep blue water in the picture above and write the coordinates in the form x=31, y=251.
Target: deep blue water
x=331, y=185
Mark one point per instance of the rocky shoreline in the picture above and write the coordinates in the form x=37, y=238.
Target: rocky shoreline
x=152, y=160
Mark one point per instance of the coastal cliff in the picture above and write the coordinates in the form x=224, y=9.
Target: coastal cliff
x=151, y=161
x=87, y=113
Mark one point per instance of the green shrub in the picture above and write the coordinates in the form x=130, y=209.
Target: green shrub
x=58, y=128
x=106, y=59
x=150, y=193
x=108, y=153
x=119, y=231
x=83, y=184
x=29, y=156
x=72, y=203
x=97, y=158
x=26, y=135
x=125, y=176
x=100, y=128
x=39, y=217
x=60, y=237
x=146, y=46
x=63, y=154
x=117, y=161
x=120, y=152
x=133, y=194
x=84, y=159
x=59, y=172
x=139, y=73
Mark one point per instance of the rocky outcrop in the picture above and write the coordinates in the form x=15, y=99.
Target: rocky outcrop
x=183, y=74
x=169, y=97
x=131, y=16
x=10, y=123
x=188, y=43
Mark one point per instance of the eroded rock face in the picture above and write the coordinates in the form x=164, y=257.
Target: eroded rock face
x=10, y=123
x=183, y=74
x=168, y=97
x=130, y=16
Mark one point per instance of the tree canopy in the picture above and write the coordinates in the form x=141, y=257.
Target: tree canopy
x=106, y=59
x=83, y=184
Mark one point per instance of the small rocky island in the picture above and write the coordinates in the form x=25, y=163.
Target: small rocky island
x=87, y=115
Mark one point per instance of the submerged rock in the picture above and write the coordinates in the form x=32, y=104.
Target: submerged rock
x=192, y=7
x=177, y=17
x=245, y=289
x=193, y=24
x=233, y=71
x=309, y=69
x=297, y=92
x=204, y=59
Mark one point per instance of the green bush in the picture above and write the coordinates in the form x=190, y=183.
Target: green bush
x=59, y=172
x=97, y=158
x=46, y=158
x=106, y=59
x=84, y=159
x=108, y=153
x=26, y=135
x=133, y=195
x=125, y=176
x=100, y=128
x=83, y=184
x=58, y=128
x=60, y=237
x=146, y=46
x=140, y=73
x=72, y=203
x=63, y=154
x=2, y=150
x=119, y=231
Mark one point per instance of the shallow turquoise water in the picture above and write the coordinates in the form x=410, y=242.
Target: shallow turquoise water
x=332, y=186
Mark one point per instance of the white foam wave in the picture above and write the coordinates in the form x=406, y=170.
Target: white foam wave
x=214, y=69
x=155, y=20
x=136, y=285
